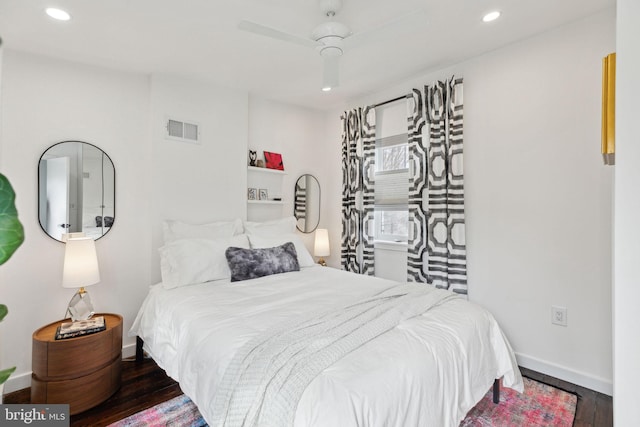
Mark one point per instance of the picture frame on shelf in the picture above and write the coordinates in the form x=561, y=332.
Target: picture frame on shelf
x=263, y=194
x=273, y=160
x=252, y=194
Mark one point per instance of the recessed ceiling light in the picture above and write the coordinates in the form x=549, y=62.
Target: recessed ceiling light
x=491, y=16
x=58, y=14
x=326, y=88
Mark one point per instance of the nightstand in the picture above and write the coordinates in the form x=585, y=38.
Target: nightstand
x=82, y=371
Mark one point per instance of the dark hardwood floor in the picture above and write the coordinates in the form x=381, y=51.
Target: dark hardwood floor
x=145, y=385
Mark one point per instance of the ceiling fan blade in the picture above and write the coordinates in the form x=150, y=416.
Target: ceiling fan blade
x=262, y=30
x=392, y=28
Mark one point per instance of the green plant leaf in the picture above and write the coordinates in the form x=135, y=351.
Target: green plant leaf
x=5, y=373
x=3, y=311
x=11, y=231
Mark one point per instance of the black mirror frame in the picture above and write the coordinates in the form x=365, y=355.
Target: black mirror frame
x=319, y=203
x=114, y=185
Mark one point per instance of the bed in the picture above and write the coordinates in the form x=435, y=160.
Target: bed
x=427, y=369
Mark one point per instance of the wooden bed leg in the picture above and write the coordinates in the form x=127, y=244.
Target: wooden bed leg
x=496, y=391
x=139, y=351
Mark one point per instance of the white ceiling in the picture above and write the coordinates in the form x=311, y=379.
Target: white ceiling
x=199, y=38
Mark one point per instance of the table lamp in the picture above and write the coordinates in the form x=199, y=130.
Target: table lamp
x=321, y=245
x=80, y=270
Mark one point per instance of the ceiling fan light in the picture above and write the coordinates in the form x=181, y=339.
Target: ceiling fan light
x=58, y=14
x=491, y=16
x=330, y=72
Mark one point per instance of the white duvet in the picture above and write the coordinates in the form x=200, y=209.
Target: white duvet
x=428, y=371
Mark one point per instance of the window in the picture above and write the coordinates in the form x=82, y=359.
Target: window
x=392, y=225
x=394, y=158
x=391, y=189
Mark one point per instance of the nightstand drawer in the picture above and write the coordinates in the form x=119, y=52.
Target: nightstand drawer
x=90, y=352
x=80, y=393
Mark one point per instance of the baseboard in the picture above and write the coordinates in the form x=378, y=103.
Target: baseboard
x=20, y=381
x=129, y=350
x=582, y=379
x=17, y=382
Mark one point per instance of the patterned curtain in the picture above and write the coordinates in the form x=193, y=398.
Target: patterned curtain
x=436, y=244
x=358, y=173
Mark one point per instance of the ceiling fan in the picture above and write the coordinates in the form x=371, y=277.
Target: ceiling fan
x=328, y=38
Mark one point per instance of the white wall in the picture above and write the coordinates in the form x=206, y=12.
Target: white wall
x=45, y=101
x=332, y=218
x=197, y=183
x=538, y=198
x=627, y=213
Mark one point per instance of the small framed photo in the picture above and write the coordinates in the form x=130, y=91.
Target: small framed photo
x=253, y=194
x=273, y=160
x=263, y=194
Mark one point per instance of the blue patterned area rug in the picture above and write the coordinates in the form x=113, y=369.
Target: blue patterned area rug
x=539, y=405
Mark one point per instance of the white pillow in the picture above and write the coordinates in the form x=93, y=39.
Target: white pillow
x=271, y=228
x=190, y=261
x=304, y=257
x=175, y=230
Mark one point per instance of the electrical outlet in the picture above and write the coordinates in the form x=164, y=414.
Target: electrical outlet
x=559, y=315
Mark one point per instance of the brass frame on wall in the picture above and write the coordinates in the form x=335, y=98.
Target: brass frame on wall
x=609, y=108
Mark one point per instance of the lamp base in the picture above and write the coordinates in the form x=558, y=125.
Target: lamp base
x=80, y=307
x=322, y=262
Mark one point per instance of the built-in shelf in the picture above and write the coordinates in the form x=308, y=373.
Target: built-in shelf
x=272, y=181
x=265, y=170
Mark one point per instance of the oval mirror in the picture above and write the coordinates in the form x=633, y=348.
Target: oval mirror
x=306, y=203
x=76, y=190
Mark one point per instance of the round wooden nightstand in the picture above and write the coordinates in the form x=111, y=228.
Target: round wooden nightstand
x=82, y=371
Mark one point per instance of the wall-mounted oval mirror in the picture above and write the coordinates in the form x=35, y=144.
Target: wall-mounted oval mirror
x=76, y=190
x=306, y=203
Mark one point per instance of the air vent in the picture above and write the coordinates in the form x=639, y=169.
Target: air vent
x=182, y=131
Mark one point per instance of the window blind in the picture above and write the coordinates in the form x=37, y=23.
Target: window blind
x=392, y=188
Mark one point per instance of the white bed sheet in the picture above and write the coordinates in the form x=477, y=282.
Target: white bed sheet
x=429, y=371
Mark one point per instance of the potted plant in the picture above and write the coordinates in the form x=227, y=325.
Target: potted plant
x=11, y=236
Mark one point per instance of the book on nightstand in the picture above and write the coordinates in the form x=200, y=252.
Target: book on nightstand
x=80, y=327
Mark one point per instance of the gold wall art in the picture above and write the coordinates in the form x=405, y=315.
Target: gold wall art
x=609, y=108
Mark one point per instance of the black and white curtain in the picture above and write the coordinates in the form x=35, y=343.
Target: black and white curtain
x=358, y=198
x=436, y=242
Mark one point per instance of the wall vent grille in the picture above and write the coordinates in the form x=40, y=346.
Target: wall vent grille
x=182, y=131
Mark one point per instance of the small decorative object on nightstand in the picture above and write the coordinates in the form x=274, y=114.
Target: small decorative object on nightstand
x=80, y=270
x=321, y=245
x=82, y=371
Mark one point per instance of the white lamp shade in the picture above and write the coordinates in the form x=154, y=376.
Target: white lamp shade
x=80, y=263
x=321, y=245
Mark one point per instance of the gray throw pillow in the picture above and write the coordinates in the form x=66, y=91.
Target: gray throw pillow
x=248, y=264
